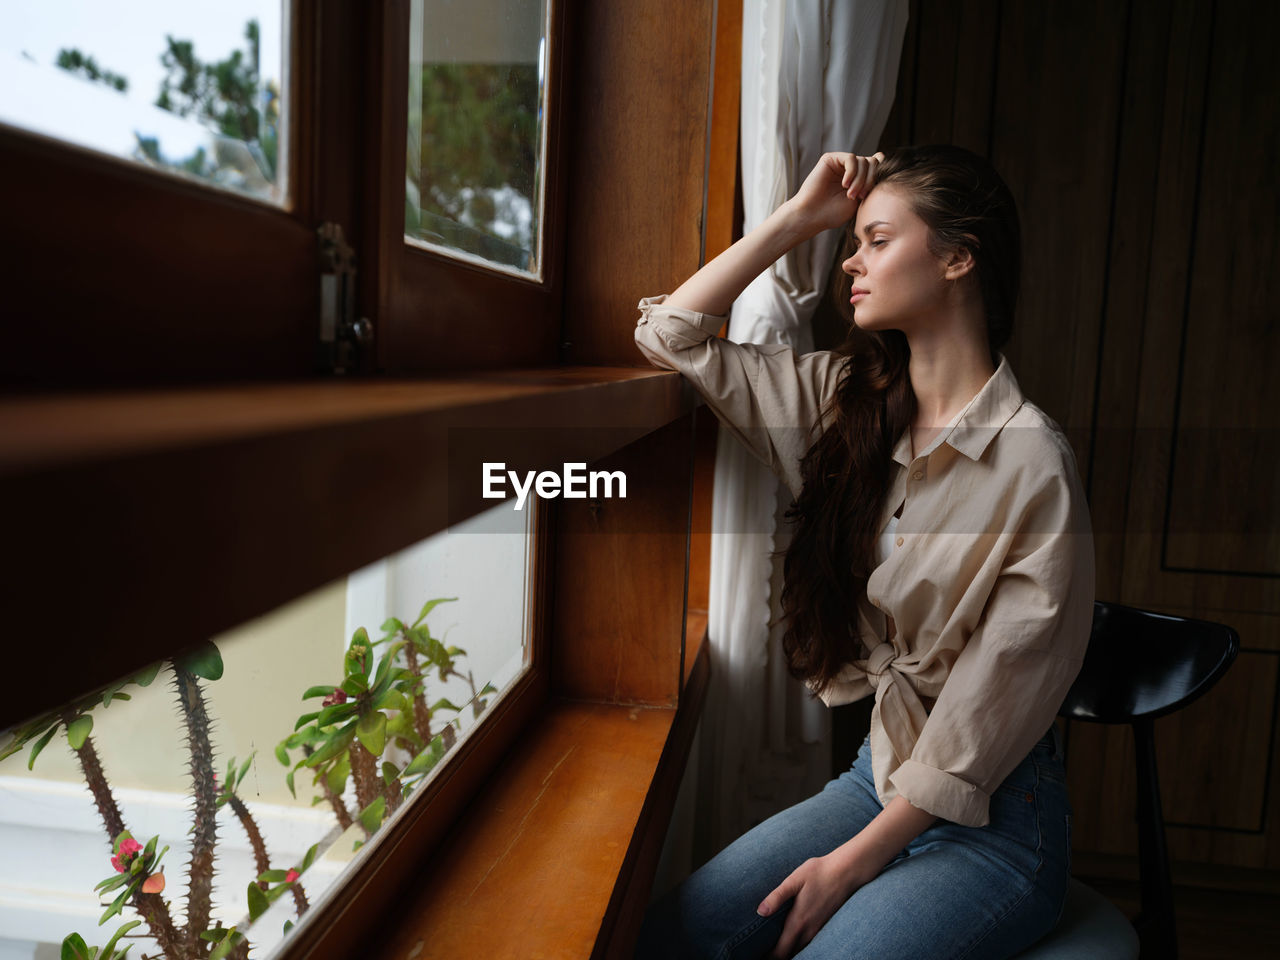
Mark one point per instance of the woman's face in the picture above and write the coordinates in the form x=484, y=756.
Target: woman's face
x=897, y=283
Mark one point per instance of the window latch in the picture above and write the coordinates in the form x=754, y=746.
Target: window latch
x=344, y=338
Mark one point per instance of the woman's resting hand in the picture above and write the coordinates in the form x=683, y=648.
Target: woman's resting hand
x=819, y=887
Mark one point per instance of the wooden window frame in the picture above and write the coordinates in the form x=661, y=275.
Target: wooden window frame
x=117, y=486
x=86, y=313
x=438, y=313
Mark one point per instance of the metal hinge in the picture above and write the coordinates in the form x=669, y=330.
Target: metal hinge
x=344, y=339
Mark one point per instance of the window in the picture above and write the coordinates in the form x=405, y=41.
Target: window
x=476, y=132
x=443, y=626
x=190, y=90
x=219, y=478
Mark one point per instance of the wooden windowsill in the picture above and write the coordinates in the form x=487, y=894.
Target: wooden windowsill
x=555, y=856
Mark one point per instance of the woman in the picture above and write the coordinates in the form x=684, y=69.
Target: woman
x=941, y=560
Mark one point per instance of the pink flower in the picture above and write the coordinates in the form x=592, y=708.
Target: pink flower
x=129, y=848
x=332, y=700
x=291, y=876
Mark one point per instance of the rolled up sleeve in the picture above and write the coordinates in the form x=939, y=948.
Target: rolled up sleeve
x=764, y=394
x=1007, y=683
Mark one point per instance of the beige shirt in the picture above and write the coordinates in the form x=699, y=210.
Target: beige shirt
x=985, y=603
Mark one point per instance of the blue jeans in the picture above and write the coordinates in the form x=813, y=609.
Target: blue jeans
x=955, y=891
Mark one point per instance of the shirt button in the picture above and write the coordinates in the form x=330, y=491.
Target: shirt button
x=899, y=541
x=918, y=475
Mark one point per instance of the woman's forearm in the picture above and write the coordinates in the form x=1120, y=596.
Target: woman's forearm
x=714, y=288
x=883, y=838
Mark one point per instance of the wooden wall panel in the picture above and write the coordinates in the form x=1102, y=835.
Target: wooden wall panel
x=1141, y=142
x=621, y=577
x=959, y=44
x=1224, y=497
x=1057, y=99
x=641, y=115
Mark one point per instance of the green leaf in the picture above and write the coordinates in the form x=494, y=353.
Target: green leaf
x=226, y=944
x=446, y=704
x=372, y=731
x=144, y=676
x=431, y=605
x=391, y=700
x=384, y=668
x=78, y=730
x=337, y=777
x=309, y=858
x=337, y=743
x=303, y=721
x=339, y=711
x=203, y=660
x=371, y=816
x=74, y=948
x=112, y=692
x=113, y=881
x=149, y=850
x=244, y=767
x=40, y=745
x=273, y=876
x=355, y=684
x=427, y=759
x=282, y=754
x=288, y=782
x=258, y=902
x=117, y=905
x=389, y=773
x=392, y=625
x=322, y=690
x=111, y=944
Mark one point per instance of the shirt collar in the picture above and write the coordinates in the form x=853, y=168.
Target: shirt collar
x=973, y=429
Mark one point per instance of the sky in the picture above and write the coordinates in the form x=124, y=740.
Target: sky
x=126, y=37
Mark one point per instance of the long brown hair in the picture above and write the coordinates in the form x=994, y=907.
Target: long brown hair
x=846, y=472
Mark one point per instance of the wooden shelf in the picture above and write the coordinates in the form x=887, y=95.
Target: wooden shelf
x=155, y=519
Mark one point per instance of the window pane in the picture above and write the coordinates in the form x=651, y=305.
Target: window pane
x=193, y=89
x=477, y=129
x=389, y=713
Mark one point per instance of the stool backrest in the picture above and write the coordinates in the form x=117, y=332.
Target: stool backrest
x=1143, y=665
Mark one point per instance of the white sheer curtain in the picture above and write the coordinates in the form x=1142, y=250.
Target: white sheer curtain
x=817, y=75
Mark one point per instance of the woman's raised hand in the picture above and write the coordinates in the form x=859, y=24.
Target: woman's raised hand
x=828, y=198
x=830, y=195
